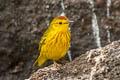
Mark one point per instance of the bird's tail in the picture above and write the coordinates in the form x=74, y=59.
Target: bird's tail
x=40, y=61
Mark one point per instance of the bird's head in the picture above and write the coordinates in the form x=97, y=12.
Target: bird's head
x=60, y=22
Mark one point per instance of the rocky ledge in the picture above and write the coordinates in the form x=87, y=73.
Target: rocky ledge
x=96, y=64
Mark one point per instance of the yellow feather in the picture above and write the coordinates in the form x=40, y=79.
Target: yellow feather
x=55, y=41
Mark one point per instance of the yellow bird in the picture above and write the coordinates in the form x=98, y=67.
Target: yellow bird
x=55, y=42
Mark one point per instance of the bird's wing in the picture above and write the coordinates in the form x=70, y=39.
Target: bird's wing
x=42, y=41
x=40, y=60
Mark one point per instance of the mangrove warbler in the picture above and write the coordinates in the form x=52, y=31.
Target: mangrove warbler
x=55, y=41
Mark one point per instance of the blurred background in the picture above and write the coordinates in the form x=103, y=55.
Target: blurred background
x=23, y=22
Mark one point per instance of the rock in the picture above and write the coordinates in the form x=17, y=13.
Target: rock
x=96, y=64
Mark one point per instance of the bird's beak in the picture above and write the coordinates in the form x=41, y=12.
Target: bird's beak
x=70, y=21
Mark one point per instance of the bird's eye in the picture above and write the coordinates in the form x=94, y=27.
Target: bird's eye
x=60, y=22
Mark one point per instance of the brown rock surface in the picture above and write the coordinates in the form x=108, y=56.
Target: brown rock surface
x=95, y=64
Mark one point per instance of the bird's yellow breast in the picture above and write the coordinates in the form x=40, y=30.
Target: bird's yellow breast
x=56, y=45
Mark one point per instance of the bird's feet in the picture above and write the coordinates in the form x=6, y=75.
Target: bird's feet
x=63, y=61
x=56, y=65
